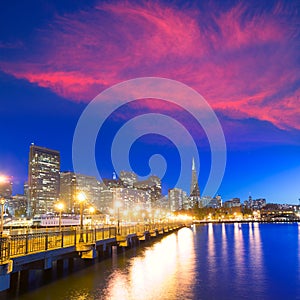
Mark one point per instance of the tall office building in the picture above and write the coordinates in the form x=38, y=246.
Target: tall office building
x=151, y=185
x=128, y=178
x=195, y=190
x=177, y=198
x=68, y=189
x=43, y=179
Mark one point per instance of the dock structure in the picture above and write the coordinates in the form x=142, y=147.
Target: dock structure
x=39, y=249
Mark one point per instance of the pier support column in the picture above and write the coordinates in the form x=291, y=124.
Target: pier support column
x=71, y=264
x=62, y=265
x=24, y=279
x=14, y=280
x=100, y=252
x=5, y=270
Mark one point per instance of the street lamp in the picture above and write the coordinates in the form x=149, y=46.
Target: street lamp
x=60, y=207
x=2, y=202
x=81, y=197
x=118, y=205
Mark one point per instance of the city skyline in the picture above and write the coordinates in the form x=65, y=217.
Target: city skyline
x=243, y=58
x=42, y=160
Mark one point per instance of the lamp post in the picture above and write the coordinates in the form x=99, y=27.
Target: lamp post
x=118, y=220
x=118, y=205
x=60, y=207
x=2, y=202
x=81, y=197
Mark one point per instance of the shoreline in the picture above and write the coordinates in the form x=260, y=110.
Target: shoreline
x=244, y=221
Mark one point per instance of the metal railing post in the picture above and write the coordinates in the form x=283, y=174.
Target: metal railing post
x=46, y=241
x=26, y=244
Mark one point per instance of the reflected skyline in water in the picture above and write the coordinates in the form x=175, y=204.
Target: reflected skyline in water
x=157, y=271
x=214, y=261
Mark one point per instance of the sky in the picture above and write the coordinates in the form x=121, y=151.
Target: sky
x=243, y=57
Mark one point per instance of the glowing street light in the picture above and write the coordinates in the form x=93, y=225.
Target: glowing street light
x=2, y=202
x=81, y=197
x=59, y=206
x=3, y=179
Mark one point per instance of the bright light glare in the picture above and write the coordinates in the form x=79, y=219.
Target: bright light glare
x=81, y=197
x=118, y=204
x=3, y=179
x=60, y=206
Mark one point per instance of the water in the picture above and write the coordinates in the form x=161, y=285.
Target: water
x=221, y=261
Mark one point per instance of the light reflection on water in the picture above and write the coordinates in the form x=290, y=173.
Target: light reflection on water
x=299, y=252
x=156, y=274
x=214, y=261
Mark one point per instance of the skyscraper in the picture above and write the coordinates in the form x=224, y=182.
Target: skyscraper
x=151, y=185
x=195, y=190
x=68, y=190
x=71, y=184
x=128, y=178
x=43, y=179
x=176, y=199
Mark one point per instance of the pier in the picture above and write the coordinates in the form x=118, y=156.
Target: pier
x=40, y=248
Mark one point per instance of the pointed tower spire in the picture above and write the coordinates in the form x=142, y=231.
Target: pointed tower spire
x=193, y=164
x=195, y=191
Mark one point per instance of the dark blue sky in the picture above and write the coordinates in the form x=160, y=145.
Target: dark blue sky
x=243, y=58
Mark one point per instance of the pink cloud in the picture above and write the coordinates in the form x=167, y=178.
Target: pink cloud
x=245, y=63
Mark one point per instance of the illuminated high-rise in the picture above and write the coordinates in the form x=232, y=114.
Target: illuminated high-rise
x=43, y=179
x=71, y=184
x=177, y=199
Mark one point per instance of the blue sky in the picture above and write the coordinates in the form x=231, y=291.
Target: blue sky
x=242, y=57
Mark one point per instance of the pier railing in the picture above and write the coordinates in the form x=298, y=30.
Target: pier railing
x=141, y=228
x=22, y=244
x=30, y=241
x=4, y=249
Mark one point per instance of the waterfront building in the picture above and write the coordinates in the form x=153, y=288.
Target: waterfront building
x=112, y=183
x=43, y=179
x=17, y=205
x=131, y=199
x=128, y=178
x=163, y=204
x=255, y=204
x=234, y=202
x=71, y=184
x=215, y=202
x=177, y=198
x=130, y=204
x=105, y=204
x=152, y=185
x=68, y=190
x=204, y=201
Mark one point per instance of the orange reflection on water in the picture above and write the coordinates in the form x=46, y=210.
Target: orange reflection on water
x=255, y=249
x=239, y=247
x=224, y=242
x=299, y=251
x=211, y=246
x=155, y=274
